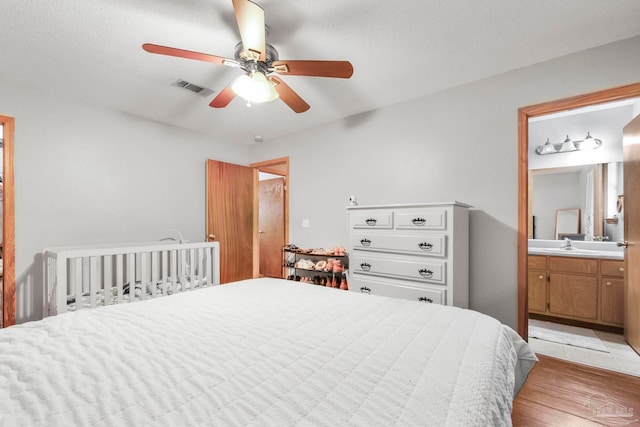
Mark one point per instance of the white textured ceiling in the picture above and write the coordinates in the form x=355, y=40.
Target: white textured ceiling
x=91, y=50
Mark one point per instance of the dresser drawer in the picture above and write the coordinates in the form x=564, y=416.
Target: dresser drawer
x=372, y=287
x=612, y=268
x=372, y=220
x=421, y=219
x=422, y=244
x=428, y=271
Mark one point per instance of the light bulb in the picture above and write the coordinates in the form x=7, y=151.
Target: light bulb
x=254, y=88
x=567, y=145
x=547, y=148
x=590, y=143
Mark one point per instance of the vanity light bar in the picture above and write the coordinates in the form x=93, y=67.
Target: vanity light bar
x=567, y=146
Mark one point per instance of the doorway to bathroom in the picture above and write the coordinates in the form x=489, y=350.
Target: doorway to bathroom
x=571, y=160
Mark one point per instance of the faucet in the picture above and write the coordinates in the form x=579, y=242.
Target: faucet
x=567, y=244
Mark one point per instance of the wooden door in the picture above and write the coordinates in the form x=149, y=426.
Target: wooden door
x=271, y=226
x=232, y=218
x=631, y=215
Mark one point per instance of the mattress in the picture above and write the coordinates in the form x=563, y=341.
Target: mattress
x=262, y=352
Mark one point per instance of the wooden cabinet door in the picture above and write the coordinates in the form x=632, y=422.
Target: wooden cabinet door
x=573, y=295
x=537, y=291
x=612, y=297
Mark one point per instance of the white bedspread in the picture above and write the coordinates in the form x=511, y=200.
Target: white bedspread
x=261, y=352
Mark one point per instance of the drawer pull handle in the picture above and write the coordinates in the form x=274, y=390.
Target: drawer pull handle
x=371, y=221
x=621, y=269
x=427, y=274
x=365, y=266
x=425, y=246
x=365, y=242
x=365, y=290
x=425, y=299
x=418, y=221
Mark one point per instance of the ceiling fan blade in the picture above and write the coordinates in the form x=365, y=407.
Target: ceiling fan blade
x=224, y=98
x=181, y=53
x=339, y=69
x=250, y=19
x=289, y=97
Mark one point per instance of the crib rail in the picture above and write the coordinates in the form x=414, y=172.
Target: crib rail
x=89, y=277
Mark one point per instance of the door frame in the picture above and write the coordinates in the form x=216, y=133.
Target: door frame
x=8, y=226
x=279, y=166
x=599, y=97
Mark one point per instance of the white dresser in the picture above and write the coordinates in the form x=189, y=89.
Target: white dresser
x=413, y=251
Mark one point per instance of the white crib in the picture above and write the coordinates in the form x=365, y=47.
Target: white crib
x=89, y=277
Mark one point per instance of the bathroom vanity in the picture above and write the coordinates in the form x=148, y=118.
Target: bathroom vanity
x=584, y=283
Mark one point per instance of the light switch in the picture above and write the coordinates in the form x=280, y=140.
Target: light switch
x=306, y=223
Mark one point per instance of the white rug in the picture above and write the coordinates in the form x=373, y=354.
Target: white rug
x=563, y=334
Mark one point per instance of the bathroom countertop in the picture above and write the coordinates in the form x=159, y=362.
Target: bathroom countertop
x=580, y=249
x=578, y=253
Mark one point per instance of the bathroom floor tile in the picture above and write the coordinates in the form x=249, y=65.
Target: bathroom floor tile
x=590, y=357
x=620, y=358
x=547, y=348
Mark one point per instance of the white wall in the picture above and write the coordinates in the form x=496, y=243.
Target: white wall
x=459, y=144
x=86, y=175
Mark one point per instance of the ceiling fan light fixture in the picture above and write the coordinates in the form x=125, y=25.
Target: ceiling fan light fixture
x=254, y=88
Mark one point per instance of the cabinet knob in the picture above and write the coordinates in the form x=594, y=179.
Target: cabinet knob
x=365, y=290
x=608, y=283
x=365, y=266
x=365, y=242
x=541, y=277
x=418, y=221
x=621, y=269
x=371, y=221
x=425, y=299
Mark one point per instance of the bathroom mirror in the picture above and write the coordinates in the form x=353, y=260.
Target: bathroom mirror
x=593, y=189
x=567, y=223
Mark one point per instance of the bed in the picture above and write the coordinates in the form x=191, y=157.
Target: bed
x=262, y=352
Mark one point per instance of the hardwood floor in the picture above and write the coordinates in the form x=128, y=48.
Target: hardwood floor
x=561, y=393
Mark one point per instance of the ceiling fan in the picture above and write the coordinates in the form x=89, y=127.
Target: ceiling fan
x=260, y=62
